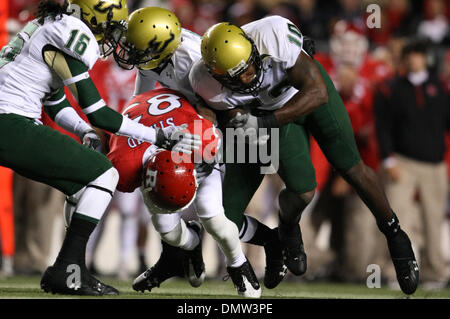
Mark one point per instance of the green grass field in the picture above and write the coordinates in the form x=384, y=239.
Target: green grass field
x=28, y=287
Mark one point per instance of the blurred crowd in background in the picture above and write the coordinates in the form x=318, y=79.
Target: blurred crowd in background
x=390, y=78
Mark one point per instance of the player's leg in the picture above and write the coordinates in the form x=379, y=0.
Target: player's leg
x=141, y=242
x=128, y=205
x=297, y=172
x=47, y=156
x=208, y=206
x=331, y=127
x=240, y=184
x=181, y=253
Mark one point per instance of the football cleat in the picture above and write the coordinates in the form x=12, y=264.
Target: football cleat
x=194, y=267
x=170, y=264
x=275, y=268
x=294, y=256
x=62, y=280
x=245, y=281
x=404, y=262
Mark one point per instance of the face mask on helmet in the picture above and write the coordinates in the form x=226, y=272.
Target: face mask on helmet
x=229, y=53
x=105, y=18
x=128, y=56
x=232, y=79
x=113, y=33
x=170, y=184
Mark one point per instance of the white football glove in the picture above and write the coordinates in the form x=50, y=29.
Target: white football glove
x=248, y=124
x=92, y=140
x=175, y=138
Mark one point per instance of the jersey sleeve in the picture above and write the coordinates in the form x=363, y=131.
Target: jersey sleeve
x=278, y=37
x=71, y=36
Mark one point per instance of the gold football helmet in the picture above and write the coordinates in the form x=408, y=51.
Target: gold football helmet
x=152, y=37
x=228, y=52
x=106, y=19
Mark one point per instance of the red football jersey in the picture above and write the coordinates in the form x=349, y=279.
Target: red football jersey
x=157, y=108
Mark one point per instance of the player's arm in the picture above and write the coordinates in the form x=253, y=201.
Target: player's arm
x=204, y=110
x=305, y=77
x=75, y=76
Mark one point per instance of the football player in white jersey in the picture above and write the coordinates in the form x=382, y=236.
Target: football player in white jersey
x=164, y=52
x=263, y=70
x=58, y=49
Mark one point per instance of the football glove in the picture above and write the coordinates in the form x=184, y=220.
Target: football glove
x=177, y=139
x=92, y=140
x=250, y=125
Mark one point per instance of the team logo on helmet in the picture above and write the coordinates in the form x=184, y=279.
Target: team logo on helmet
x=169, y=184
x=108, y=6
x=154, y=46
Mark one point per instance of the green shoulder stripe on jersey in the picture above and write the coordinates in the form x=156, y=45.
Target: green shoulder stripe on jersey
x=106, y=118
x=14, y=47
x=297, y=39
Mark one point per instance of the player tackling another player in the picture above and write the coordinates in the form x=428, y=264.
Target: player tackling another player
x=261, y=69
x=264, y=68
x=168, y=187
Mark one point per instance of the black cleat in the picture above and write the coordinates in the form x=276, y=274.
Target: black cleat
x=170, y=264
x=404, y=262
x=294, y=256
x=194, y=267
x=62, y=280
x=245, y=281
x=275, y=268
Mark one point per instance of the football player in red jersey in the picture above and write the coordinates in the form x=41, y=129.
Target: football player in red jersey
x=162, y=108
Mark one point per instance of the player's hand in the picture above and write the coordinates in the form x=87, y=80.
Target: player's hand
x=176, y=138
x=92, y=140
x=250, y=125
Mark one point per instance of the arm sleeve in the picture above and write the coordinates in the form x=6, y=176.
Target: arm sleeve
x=112, y=121
x=60, y=111
x=74, y=74
x=384, y=122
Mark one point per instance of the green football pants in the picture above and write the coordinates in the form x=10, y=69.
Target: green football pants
x=45, y=155
x=330, y=126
